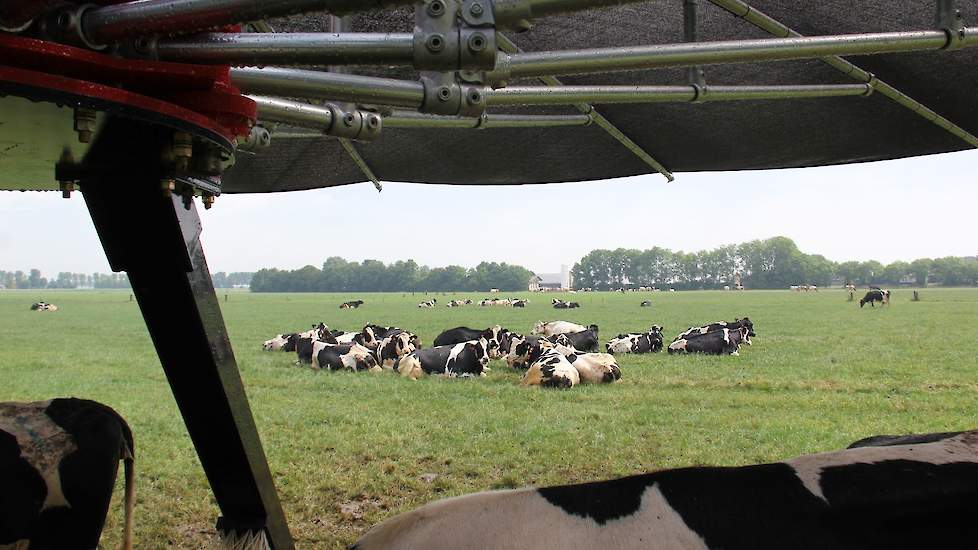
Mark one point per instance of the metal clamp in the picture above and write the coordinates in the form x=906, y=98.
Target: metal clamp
x=352, y=123
x=950, y=20
x=445, y=95
x=450, y=35
x=64, y=25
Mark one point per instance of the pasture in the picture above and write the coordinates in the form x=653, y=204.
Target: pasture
x=348, y=450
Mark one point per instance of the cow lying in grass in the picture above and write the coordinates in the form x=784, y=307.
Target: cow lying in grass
x=495, y=337
x=455, y=360
x=556, y=327
x=719, y=342
x=917, y=495
x=58, y=465
x=733, y=325
x=544, y=369
x=649, y=342
x=584, y=340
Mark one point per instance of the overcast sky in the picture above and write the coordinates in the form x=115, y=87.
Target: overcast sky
x=884, y=211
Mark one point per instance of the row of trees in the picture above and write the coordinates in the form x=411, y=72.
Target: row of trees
x=770, y=263
x=33, y=279
x=339, y=275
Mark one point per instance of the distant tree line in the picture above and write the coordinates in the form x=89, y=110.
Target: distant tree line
x=339, y=275
x=770, y=263
x=33, y=279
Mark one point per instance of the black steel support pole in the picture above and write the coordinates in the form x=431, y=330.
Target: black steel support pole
x=155, y=239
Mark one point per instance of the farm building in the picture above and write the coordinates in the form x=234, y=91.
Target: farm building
x=551, y=281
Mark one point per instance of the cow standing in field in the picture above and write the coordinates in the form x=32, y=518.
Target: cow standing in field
x=462, y=360
x=719, y=342
x=920, y=494
x=556, y=327
x=649, y=342
x=58, y=466
x=874, y=296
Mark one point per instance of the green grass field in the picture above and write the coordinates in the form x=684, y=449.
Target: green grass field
x=348, y=450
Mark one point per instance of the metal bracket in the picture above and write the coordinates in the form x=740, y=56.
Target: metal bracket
x=450, y=35
x=444, y=94
x=950, y=20
x=695, y=75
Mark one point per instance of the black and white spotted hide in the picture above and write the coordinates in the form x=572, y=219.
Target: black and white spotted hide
x=919, y=495
x=733, y=325
x=58, y=466
x=550, y=370
x=719, y=342
x=352, y=357
x=392, y=348
x=460, y=360
x=520, y=350
x=649, y=342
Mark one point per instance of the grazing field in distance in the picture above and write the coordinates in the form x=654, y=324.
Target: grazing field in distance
x=348, y=450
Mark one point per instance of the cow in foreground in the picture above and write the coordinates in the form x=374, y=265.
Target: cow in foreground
x=593, y=368
x=649, y=342
x=550, y=369
x=556, y=327
x=395, y=345
x=719, y=342
x=917, y=495
x=876, y=295
x=58, y=465
x=464, y=359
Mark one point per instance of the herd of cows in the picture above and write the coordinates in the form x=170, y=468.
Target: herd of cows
x=558, y=354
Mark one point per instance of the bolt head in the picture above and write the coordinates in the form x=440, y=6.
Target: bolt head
x=435, y=42
x=436, y=8
x=444, y=93
x=476, y=9
x=477, y=42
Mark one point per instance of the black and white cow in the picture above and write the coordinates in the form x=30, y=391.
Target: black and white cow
x=520, y=349
x=646, y=303
x=745, y=322
x=492, y=335
x=353, y=357
x=919, y=495
x=355, y=304
x=556, y=327
x=719, y=342
x=584, y=340
x=593, y=368
x=43, y=306
x=459, y=303
x=550, y=369
x=58, y=466
x=287, y=342
x=873, y=296
x=428, y=303
x=520, y=303
x=464, y=359
x=561, y=304
x=649, y=342
x=371, y=335
x=394, y=346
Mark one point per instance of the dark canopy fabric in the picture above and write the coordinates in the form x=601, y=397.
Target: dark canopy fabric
x=683, y=137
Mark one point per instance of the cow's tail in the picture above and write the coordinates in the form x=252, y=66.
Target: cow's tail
x=129, y=467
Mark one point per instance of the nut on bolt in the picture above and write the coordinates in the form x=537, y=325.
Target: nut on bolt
x=436, y=8
x=435, y=42
x=183, y=149
x=477, y=42
x=66, y=188
x=208, y=200
x=476, y=9
x=85, y=123
x=444, y=93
